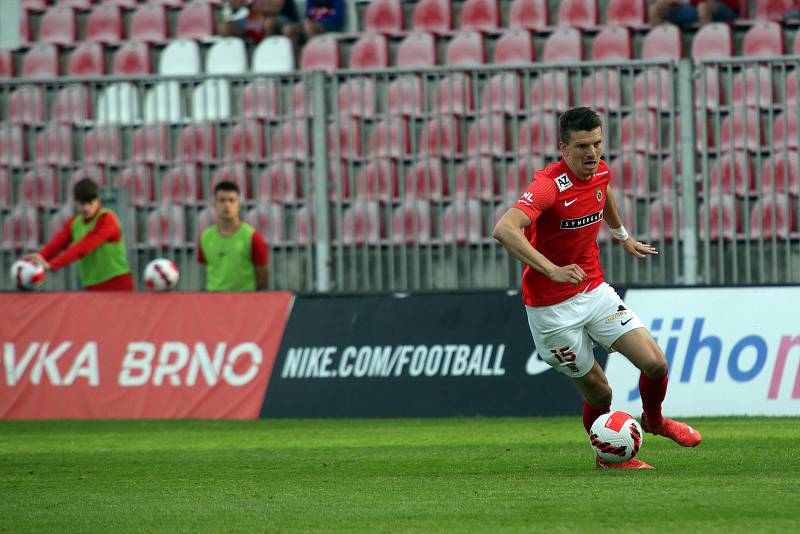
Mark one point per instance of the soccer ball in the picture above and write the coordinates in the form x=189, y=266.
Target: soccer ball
x=616, y=437
x=161, y=274
x=27, y=275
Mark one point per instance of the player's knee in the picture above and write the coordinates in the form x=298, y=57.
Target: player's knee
x=599, y=396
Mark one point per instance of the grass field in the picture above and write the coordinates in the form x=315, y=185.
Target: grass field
x=434, y=475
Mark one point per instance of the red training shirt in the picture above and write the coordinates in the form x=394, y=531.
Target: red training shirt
x=566, y=213
x=105, y=230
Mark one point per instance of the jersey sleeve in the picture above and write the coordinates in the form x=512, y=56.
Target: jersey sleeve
x=200, y=257
x=59, y=242
x=106, y=229
x=540, y=196
x=260, y=251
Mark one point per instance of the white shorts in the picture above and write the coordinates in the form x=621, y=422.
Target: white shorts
x=564, y=333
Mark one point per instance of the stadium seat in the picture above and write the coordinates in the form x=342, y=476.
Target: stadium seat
x=377, y=181
x=127, y=4
x=261, y=99
x=301, y=99
x=412, y=222
x=137, y=180
x=362, y=224
x=306, y=225
x=59, y=219
x=503, y=94
x=273, y=54
x=58, y=26
x=426, y=180
x=528, y=15
x=742, y=130
x=519, y=176
x=709, y=96
x=104, y=24
x=370, y=52
x=13, y=149
x=289, y=141
x=435, y=16
x=465, y=49
x=416, y=50
x=102, y=145
x=206, y=217
x=181, y=186
x=670, y=178
x=279, y=183
x=54, y=145
x=662, y=220
x=21, y=229
x=163, y=103
x=320, y=53
x=195, y=21
x=6, y=64
x=149, y=24
x=87, y=60
x=39, y=188
x=488, y=137
x=764, y=38
x=773, y=9
x=83, y=5
x=268, y=220
x=227, y=56
x=731, y=174
x=753, y=88
x=564, y=45
x=602, y=90
x=462, y=223
x=211, y=100
x=480, y=15
x=344, y=139
x=41, y=61
x=612, y=43
x=652, y=89
x=712, y=41
x=5, y=188
x=538, y=135
x=724, y=220
x=663, y=42
x=551, y=91
x=786, y=134
x=406, y=96
x=796, y=44
x=93, y=172
x=781, y=174
x=166, y=227
x=132, y=59
x=34, y=5
x=118, y=104
x=641, y=132
x=514, y=47
x=384, y=16
x=578, y=14
x=151, y=144
x=630, y=175
x=357, y=97
x=389, y=138
x=475, y=179
x=236, y=173
x=454, y=95
x=627, y=210
x=180, y=57
x=198, y=143
x=773, y=218
x=25, y=105
x=441, y=137
x=792, y=89
x=628, y=13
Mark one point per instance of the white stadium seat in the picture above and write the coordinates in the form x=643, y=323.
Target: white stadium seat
x=118, y=104
x=227, y=56
x=273, y=54
x=180, y=57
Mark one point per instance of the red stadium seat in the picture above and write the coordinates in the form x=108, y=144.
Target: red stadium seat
x=12, y=146
x=87, y=60
x=338, y=183
x=712, y=41
x=630, y=175
x=76, y=4
x=132, y=59
x=104, y=24
x=6, y=64
x=519, y=176
x=626, y=209
x=21, y=229
x=480, y=15
x=40, y=188
x=709, y=96
x=181, y=186
x=138, y=182
x=786, y=134
x=564, y=45
x=149, y=24
x=58, y=26
x=5, y=188
x=652, y=89
x=753, y=88
x=377, y=181
x=268, y=220
x=742, y=130
x=41, y=61
x=195, y=21
x=306, y=225
x=796, y=44
x=641, y=132
x=389, y=139
x=344, y=139
x=441, y=137
x=539, y=135
x=412, y=223
x=551, y=91
x=628, y=13
x=732, y=173
x=528, y=14
x=724, y=219
x=602, y=90
x=384, y=16
x=280, y=183
x=198, y=143
x=406, y=96
x=792, y=89
x=362, y=224
x=663, y=221
x=503, y=94
x=462, y=222
x=768, y=209
x=475, y=179
x=93, y=172
x=151, y=144
x=320, y=53
x=127, y=4
x=301, y=99
x=102, y=145
x=465, y=49
x=206, y=217
x=764, y=38
x=454, y=95
x=578, y=13
x=54, y=145
x=613, y=43
x=663, y=42
x=515, y=46
x=261, y=99
x=773, y=9
x=26, y=105
x=426, y=180
x=671, y=178
x=289, y=141
x=34, y=5
x=370, y=52
x=357, y=98
x=781, y=174
x=434, y=16
x=236, y=173
x=417, y=49
x=166, y=227
x=246, y=142
x=488, y=137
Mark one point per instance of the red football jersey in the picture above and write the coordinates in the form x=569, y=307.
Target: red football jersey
x=566, y=213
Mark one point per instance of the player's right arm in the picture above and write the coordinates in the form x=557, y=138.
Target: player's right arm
x=59, y=242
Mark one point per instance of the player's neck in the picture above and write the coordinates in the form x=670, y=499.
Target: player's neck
x=228, y=226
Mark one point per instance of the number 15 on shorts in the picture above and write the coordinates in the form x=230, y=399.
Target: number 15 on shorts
x=566, y=358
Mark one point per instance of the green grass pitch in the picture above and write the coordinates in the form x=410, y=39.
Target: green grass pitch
x=403, y=475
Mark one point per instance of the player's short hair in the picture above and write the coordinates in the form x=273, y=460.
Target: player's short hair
x=226, y=185
x=85, y=190
x=577, y=120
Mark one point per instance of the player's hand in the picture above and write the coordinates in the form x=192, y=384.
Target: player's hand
x=569, y=274
x=638, y=249
x=36, y=258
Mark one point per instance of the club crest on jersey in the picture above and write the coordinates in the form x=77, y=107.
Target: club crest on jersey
x=563, y=182
x=599, y=195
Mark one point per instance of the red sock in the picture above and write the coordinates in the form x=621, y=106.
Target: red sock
x=653, y=389
x=590, y=413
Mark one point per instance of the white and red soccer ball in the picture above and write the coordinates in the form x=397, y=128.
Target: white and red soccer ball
x=27, y=275
x=161, y=274
x=616, y=437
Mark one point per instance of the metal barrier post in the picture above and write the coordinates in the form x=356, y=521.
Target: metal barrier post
x=322, y=245
x=689, y=200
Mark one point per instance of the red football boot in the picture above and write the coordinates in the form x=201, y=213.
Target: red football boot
x=633, y=463
x=680, y=433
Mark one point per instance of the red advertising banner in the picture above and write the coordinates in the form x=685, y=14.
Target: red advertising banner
x=144, y=355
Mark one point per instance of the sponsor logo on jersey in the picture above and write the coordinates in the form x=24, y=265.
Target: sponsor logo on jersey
x=527, y=198
x=580, y=222
x=563, y=182
x=601, y=173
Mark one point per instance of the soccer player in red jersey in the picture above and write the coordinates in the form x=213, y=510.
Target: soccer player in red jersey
x=553, y=230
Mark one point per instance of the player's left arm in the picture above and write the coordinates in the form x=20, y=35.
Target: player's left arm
x=260, y=261
x=614, y=222
x=106, y=229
